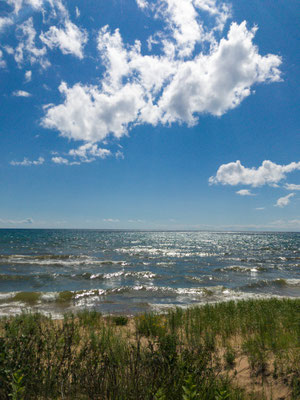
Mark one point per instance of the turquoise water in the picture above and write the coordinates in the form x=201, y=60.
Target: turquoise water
x=130, y=271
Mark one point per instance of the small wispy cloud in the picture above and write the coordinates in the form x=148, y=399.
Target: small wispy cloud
x=17, y=222
x=28, y=76
x=89, y=152
x=86, y=153
x=2, y=62
x=286, y=224
x=21, y=93
x=26, y=49
x=245, y=192
x=4, y=22
x=291, y=186
x=112, y=220
x=63, y=161
x=27, y=163
x=119, y=155
x=70, y=39
x=284, y=201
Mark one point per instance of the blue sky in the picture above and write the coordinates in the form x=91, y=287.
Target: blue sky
x=163, y=114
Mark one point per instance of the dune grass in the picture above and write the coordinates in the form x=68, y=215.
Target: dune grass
x=191, y=354
x=27, y=297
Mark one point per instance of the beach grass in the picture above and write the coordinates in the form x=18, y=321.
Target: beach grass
x=232, y=350
x=26, y=297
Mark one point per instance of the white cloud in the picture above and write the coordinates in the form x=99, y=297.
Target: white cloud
x=260, y=208
x=185, y=22
x=119, y=155
x=142, y=3
x=58, y=9
x=60, y=160
x=4, y=22
x=27, y=49
x=86, y=153
x=245, y=192
x=27, y=163
x=2, y=62
x=64, y=161
x=219, y=81
x=268, y=173
x=294, y=222
x=90, y=115
x=112, y=220
x=77, y=12
x=70, y=39
x=9, y=50
x=291, y=186
x=21, y=93
x=184, y=25
x=18, y=4
x=38, y=5
x=89, y=152
x=24, y=221
x=16, y=222
x=176, y=86
x=284, y=201
x=28, y=76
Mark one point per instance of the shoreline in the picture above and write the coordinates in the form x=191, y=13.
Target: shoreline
x=59, y=303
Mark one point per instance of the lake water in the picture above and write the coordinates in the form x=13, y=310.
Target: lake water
x=132, y=271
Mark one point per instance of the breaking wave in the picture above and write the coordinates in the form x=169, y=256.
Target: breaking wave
x=280, y=282
x=55, y=260
x=241, y=268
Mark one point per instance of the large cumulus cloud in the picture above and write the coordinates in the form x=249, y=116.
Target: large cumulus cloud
x=174, y=85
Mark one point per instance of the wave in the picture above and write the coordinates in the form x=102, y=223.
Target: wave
x=56, y=260
x=38, y=257
x=157, y=290
x=8, y=277
x=153, y=252
x=145, y=297
x=84, y=275
x=203, y=278
x=118, y=274
x=280, y=282
x=80, y=294
x=241, y=268
x=289, y=258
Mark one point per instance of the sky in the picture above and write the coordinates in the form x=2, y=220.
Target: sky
x=163, y=114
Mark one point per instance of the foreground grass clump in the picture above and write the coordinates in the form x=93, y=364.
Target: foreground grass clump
x=192, y=354
x=120, y=320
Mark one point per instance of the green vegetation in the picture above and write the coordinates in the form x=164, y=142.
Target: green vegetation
x=65, y=296
x=120, y=320
x=192, y=354
x=27, y=297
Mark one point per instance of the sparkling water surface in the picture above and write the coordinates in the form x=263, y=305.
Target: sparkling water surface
x=132, y=271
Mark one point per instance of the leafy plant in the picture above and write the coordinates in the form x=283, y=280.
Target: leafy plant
x=189, y=389
x=222, y=395
x=18, y=386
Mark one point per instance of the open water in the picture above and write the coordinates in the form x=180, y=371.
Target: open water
x=132, y=271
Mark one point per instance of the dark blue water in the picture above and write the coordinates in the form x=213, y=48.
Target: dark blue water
x=129, y=271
